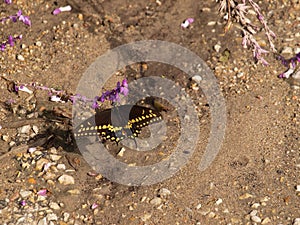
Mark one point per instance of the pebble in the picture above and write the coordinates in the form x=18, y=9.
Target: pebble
x=24, y=130
x=219, y=201
x=296, y=221
x=51, y=216
x=266, y=220
x=74, y=191
x=217, y=47
x=156, y=201
x=245, y=196
x=256, y=219
x=20, y=58
x=121, y=152
x=43, y=221
x=164, y=192
x=25, y=194
x=54, y=205
x=298, y=188
x=66, y=216
x=287, y=50
x=55, y=157
x=40, y=164
x=61, y=166
x=66, y=179
x=5, y=138
x=38, y=43
x=197, y=78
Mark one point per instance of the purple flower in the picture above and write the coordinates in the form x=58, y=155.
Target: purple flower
x=62, y=9
x=290, y=63
x=10, y=41
x=23, y=203
x=187, y=22
x=8, y=1
x=18, y=16
x=42, y=192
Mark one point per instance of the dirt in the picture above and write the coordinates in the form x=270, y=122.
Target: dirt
x=259, y=158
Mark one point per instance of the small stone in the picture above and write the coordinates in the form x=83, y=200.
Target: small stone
x=287, y=50
x=74, y=192
x=35, y=129
x=38, y=43
x=245, y=196
x=211, y=23
x=211, y=215
x=52, y=216
x=5, y=138
x=61, y=166
x=66, y=216
x=20, y=58
x=217, y=47
x=256, y=219
x=54, y=205
x=80, y=16
x=155, y=201
x=296, y=221
x=197, y=78
x=255, y=205
x=40, y=164
x=121, y=152
x=66, y=179
x=266, y=220
x=219, y=201
x=24, y=130
x=298, y=188
x=253, y=213
x=25, y=194
x=164, y=192
x=198, y=206
x=55, y=157
x=43, y=221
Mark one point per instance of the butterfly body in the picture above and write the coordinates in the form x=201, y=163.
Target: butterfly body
x=118, y=123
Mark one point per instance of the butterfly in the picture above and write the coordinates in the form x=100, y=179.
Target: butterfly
x=118, y=123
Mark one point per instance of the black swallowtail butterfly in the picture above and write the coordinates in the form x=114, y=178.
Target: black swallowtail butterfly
x=118, y=123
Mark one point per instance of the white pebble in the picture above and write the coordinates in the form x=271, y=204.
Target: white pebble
x=38, y=43
x=217, y=47
x=256, y=219
x=61, y=166
x=197, y=78
x=24, y=130
x=121, y=152
x=156, y=201
x=219, y=201
x=287, y=50
x=54, y=205
x=296, y=221
x=25, y=194
x=66, y=179
x=52, y=216
x=163, y=192
x=43, y=221
x=20, y=58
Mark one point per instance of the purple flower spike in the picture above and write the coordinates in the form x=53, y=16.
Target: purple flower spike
x=8, y=1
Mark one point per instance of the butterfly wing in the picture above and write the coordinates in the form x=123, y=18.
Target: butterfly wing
x=118, y=123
